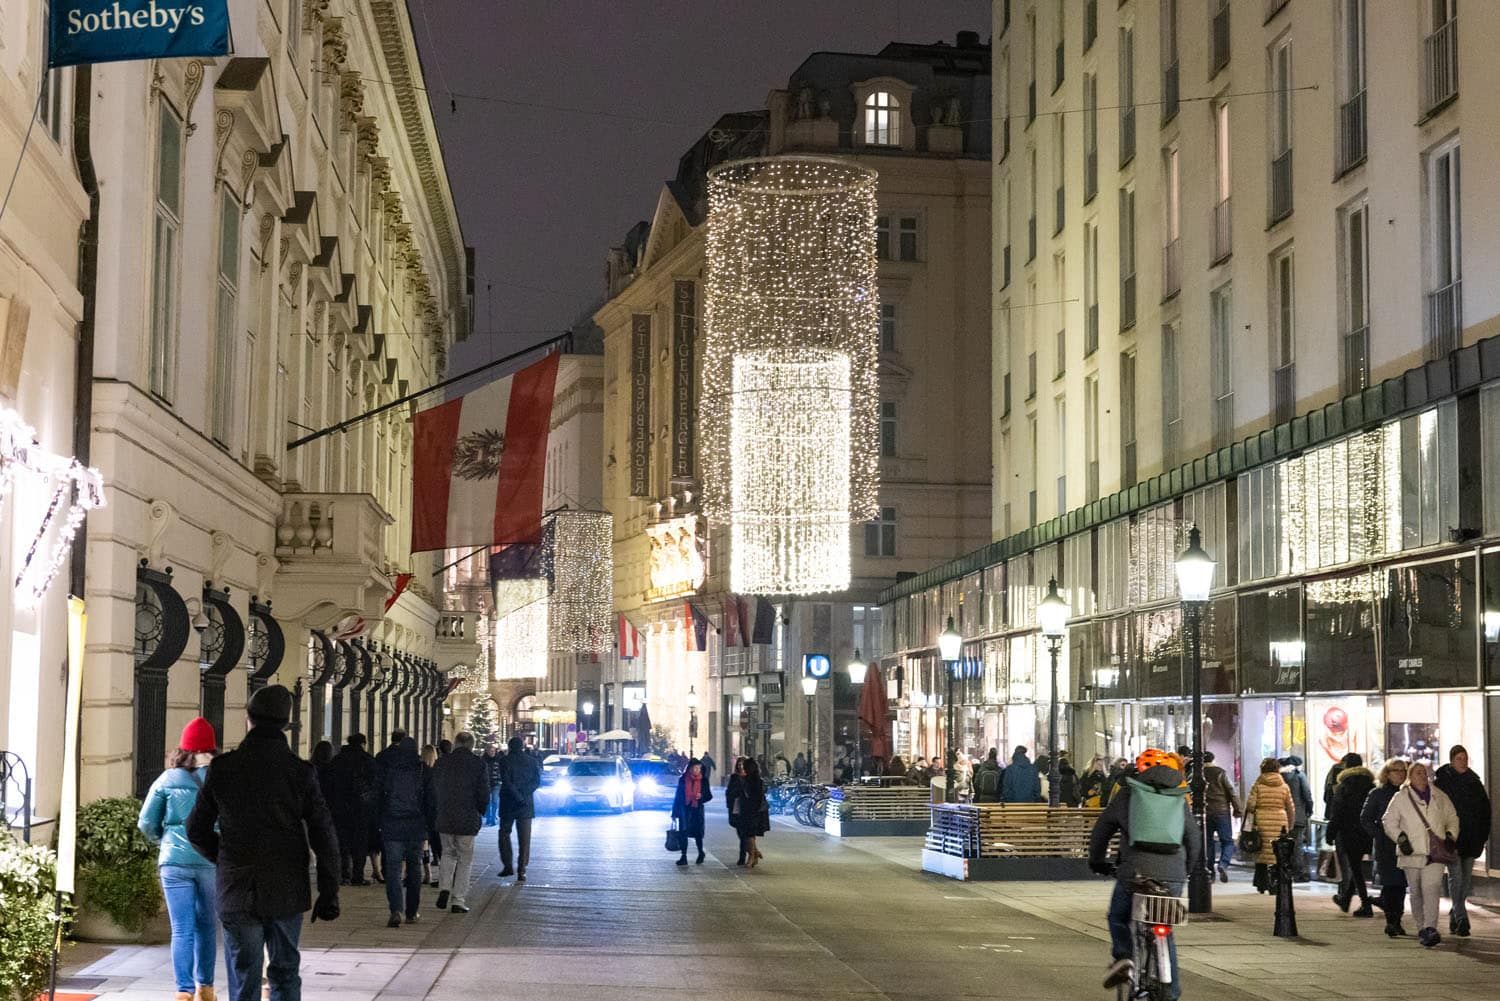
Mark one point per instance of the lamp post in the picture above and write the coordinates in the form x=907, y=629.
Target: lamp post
x=692, y=704
x=950, y=643
x=857, y=671
x=810, y=689
x=1052, y=615
x=747, y=696
x=1195, y=578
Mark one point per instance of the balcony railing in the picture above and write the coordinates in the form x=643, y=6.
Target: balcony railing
x=1091, y=330
x=1171, y=269
x=1030, y=239
x=1281, y=186
x=1440, y=66
x=1284, y=393
x=1220, y=40
x=1127, y=301
x=1169, y=92
x=1223, y=235
x=1090, y=175
x=1127, y=134
x=1445, y=320
x=1356, y=352
x=1060, y=200
x=1352, y=148
x=1005, y=266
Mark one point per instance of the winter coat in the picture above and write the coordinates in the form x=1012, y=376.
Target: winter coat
x=1067, y=785
x=520, y=777
x=1344, y=828
x=1269, y=809
x=1021, y=782
x=259, y=810
x=164, y=815
x=690, y=818
x=406, y=805
x=492, y=769
x=1302, y=799
x=1219, y=796
x=749, y=813
x=356, y=792
x=1472, y=804
x=1405, y=816
x=987, y=779
x=1135, y=864
x=461, y=791
x=1370, y=817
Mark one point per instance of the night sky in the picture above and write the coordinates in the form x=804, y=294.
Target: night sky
x=543, y=192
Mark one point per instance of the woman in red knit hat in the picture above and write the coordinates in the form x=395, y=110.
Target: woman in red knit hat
x=187, y=878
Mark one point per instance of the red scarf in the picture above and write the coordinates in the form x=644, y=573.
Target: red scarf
x=692, y=788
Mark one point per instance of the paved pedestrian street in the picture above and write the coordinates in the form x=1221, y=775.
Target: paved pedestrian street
x=606, y=914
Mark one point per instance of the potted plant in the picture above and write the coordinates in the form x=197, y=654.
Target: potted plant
x=28, y=877
x=118, y=892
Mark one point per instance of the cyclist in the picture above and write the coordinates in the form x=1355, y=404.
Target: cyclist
x=1161, y=856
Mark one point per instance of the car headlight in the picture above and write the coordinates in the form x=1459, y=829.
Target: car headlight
x=646, y=785
x=563, y=786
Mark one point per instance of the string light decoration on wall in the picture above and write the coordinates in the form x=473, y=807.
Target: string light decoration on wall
x=581, y=567
x=790, y=411
x=520, y=628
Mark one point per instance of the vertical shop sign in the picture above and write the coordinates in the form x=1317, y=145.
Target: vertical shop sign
x=684, y=340
x=640, y=404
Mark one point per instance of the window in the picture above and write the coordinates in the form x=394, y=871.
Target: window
x=1223, y=233
x=1031, y=54
x=226, y=324
x=880, y=534
x=165, y=239
x=1283, y=338
x=1059, y=164
x=1440, y=56
x=1031, y=431
x=1060, y=287
x=1171, y=398
x=293, y=27
x=1032, y=183
x=883, y=237
x=1058, y=30
x=1127, y=94
x=887, y=429
x=1090, y=288
x=1444, y=271
x=1221, y=369
x=1127, y=258
x=907, y=236
x=1352, y=147
x=1169, y=68
x=1171, y=282
x=1218, y=31
x=1281, y=129
x=1002, y=83
x=1354, y=295
x=1091, y=437
x=1127, y=420
x=888, y=326
x=1060, y=450
x=1090, y=137
x=882, y=120
x=50, y=104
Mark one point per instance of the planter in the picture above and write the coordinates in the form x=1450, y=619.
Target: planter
x=91, y=924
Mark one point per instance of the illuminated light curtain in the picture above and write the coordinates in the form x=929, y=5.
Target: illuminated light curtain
x=791, y=310
x=581, y=567
x=521, y=634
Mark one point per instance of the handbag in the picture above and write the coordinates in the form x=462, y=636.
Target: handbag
x=1249, y=839
x=1437, y=849
x=676, y=842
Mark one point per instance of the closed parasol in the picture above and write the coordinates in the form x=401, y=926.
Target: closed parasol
x=873, y=712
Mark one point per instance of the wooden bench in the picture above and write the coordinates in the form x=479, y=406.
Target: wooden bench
x=877, y=810
x=1008, y=841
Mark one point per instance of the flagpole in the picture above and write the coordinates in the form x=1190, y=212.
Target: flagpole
x=344, y=425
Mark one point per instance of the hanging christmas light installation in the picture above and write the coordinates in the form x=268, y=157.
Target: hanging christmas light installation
x=790, y=409
x=520, y=628
x=581, y=567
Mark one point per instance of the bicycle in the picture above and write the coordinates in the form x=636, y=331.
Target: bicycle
x=812, y=806
x=1154, y=912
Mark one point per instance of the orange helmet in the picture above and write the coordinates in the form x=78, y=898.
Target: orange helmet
x=1153, y=756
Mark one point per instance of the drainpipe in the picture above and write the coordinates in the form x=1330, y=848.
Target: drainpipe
x=88, y=282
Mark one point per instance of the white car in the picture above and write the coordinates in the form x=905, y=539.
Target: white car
x=601, y=783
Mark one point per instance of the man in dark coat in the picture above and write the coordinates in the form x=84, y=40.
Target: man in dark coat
x=259, y=810
x=405, y=813
x=461, y=788
x=1302, y=800
x=1349, y=838
x=352, y=774
x=520, y=776
x=1472, y=804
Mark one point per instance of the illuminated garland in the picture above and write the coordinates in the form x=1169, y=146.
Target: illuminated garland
x=581, y=566
x=520, y=629
x=791, y=310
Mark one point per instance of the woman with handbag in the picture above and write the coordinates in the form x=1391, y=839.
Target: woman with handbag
x=687, y=808
x=1424, y=825
x=1269, y=811
x=749, y=812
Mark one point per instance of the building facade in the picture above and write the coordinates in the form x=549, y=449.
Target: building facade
x=1230, y=287
x=919, y=116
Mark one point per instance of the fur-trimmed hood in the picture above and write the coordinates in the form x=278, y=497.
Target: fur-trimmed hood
x=1349, y=773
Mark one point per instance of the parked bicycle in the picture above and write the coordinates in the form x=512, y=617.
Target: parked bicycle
x=811, y=807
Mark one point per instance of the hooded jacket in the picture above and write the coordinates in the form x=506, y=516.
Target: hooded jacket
x=164, y=815
x=1406, y=814
x=1349, y=794
x=1020, y=783
x=1269, y=810
x=1471, y=803
x=1137, y=864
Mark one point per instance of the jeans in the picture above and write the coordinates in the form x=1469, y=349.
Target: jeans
x=1426, y=887
x=395, y=853
x=1122, y=937
x=191, y=894
x=1221, y=829
x=249, y=942
x=523, y=839
x=1460, y=885
x=456, y=867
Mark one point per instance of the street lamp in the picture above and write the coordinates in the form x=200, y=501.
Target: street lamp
x=950, y=644
x=692, y=704
x=810, y=689
x=1195, y=578
x=858, y=668
x=747, y=696
x=1052, y=615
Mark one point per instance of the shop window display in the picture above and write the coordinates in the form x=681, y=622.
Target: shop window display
x=1490, y=578
x=1159, y=650
x=1343, y=725
x=1340, y=622
x=1271, y=650
x=1428, y=634
x=1220, y=675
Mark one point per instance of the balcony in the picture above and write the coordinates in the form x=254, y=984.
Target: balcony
x=1171, y=269
x=1223, y=234
x=1281, y=187
x=1090, y=175
x=1091, y=329
x=1356, y=352
x=332, y=554
x=1169, y=94
x=1127, y=301
x=1127, y=135
x=1220, y=41
x=1060, y=206
x=1440, y=67
x=1445, y=320
x=1284, y=393
x=1352, y=134
x=1031, y=239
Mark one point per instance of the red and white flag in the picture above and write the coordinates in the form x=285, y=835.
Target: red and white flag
x=630, y=640
x=479, y=462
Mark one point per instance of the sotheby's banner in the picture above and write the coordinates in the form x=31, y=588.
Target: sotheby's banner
x=104, y=31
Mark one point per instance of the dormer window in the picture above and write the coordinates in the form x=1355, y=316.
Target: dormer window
x=882, y=120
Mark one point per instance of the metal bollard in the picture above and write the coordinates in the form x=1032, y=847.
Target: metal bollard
x=1285, y=847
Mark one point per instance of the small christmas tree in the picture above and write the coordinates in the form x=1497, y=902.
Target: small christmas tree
x=484, y=721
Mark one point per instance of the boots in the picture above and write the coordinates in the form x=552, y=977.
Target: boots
x=205, y=992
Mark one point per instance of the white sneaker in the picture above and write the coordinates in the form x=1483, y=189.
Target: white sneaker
x=1119, y=971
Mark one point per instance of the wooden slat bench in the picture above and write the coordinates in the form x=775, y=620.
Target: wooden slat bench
x=875, y=810
x=1008, y=841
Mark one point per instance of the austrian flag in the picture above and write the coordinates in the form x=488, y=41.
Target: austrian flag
x=479, y=461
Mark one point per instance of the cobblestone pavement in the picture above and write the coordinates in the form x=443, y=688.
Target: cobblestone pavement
x=606, y=914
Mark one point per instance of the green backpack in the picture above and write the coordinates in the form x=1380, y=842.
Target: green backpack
x=1156, y=818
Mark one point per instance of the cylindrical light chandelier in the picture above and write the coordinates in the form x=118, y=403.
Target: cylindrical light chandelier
x=790, y=410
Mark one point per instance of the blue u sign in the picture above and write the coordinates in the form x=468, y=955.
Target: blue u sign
x=816, y=665
x=103, y=31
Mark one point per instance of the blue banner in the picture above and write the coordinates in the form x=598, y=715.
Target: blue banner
x=103, y=31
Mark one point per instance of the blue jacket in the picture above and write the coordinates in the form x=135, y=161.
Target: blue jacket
x=164, y=816
x=1020, y=782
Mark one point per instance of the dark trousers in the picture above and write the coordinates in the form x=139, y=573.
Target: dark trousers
x=395, y=853
x=522, y=825
x=351, y=864
x=1351, y=875
x=697, y=841
x=248, y=942
x=1392, y=893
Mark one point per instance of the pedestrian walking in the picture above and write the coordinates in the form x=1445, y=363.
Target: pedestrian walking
x=1390, y=876
x=709, y=764
x=432, y=845
x=1350, y=840
x=687, y=807
x=187, y=878
x=258, y=812
x=1472, y=804
x=1021, y=782
x=1302, y=801
x=520, y=775
x=461, y=791
x=355, y=792
x=492, y=757
x=1424, y=825
x=1221, y=806
x=1270, y=811
x=749, y=812
x=406, y=808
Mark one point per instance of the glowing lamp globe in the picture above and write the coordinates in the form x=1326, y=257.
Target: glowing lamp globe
x=857, y=669
x=1195, y=569
x=747, y=695
x=1052, y=612
x=950, y=643
x=692, y=699
x=809, y=686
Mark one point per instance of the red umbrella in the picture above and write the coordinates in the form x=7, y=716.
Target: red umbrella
x=873, y=710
